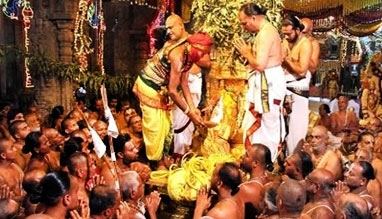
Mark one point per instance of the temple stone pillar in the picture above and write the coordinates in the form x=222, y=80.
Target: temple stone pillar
x=51, y=33
x=62, y=14
x=65, y=41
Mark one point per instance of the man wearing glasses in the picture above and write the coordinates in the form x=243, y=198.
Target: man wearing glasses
x=319, y=185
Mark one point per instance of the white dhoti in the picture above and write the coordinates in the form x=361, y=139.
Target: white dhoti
x=271, y=130
x=182, y=125
x=299, y=117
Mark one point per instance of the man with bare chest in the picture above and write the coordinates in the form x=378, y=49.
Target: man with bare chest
x=19, y=131
x=262, y=122
x=257, y=162
x=225, y=182
x=9, y=171
x=159, y=81
x=319, y=185
x=313, y=63
x=298, y=51
x=322, y=157
x=344, y=122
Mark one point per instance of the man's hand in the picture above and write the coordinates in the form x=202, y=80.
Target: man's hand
x=84, y=211
x=122, y=211
x=307, y=147
x=95, y=180
x=203, y=202
x=5, y=192
x=207, y=111
x=340, y=189
x=152, y=202
x=75, y=215
x=286, y=64
x=142, y=169
x=196, y=117
x=244, y=49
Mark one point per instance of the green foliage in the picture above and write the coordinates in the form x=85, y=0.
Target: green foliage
x=40, y=65
x=219, y=18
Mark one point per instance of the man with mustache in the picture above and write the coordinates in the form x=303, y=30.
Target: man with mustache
x=298, y=51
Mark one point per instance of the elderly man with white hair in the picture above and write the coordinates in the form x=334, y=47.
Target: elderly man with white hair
x=133, y=192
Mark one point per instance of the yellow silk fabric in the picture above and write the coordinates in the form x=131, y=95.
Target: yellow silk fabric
x=156, y=124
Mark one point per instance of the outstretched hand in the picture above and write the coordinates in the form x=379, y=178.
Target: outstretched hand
x=142, y=169
x=196, y=117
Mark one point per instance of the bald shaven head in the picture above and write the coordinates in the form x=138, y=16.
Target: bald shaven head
x=175, y=27
x=291, y=196
x=308, y=24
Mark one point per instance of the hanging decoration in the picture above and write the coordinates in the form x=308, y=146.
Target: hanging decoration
x=92, y=15
x=362, y=30
x=11, y=9
x=311, y=8
x=82, y=42
x=360, y=17
x=101, y=34
x=186, y=6
x=147, y=3
x=95, y=18
x=351, y=7
x=90, y=11
x=27, y=13
x=172, y=5
x=325, y=24
x=45, y=67
x=158, y=20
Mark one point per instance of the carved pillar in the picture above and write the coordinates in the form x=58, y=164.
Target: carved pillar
x=63, y=13
x=65, y=42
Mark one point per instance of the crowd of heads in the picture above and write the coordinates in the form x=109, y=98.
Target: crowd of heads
x=54, y=169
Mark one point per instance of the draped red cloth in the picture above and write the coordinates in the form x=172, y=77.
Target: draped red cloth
x=201, y=41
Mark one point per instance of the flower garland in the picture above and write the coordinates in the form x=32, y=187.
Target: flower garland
x=37, y=65
x=81, y=41
x=101, y=36
x=91, y=11
x=44, y=67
